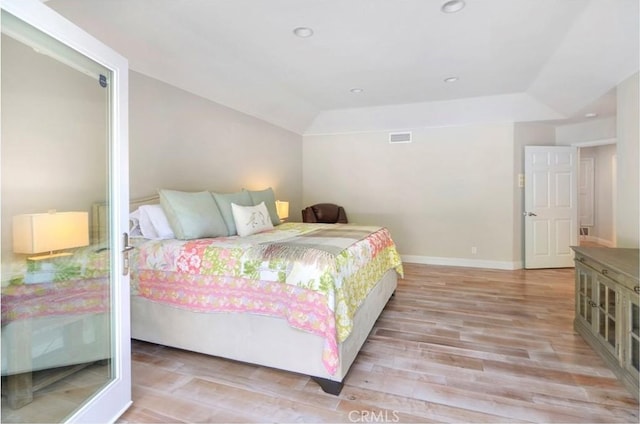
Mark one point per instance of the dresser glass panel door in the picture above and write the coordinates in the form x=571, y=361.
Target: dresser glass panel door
x=606, y=309
x=584, y=287
x=61, y=195
x=633, y=335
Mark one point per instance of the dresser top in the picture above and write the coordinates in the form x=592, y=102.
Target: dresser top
x=626, y=261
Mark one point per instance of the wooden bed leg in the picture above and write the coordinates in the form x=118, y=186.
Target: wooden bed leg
x=329, y=386
x=19, y=391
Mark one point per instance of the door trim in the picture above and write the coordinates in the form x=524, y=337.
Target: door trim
x=115, y=397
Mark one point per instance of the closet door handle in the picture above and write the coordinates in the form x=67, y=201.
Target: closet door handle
x=126, y=248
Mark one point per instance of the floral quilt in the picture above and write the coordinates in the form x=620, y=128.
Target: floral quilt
x=75, y=284
x=317, y=280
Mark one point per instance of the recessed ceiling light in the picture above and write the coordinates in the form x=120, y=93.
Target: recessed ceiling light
x=590, y=115
x=453, y=6
x=451, y=79
x=303, y=32
x=356, y=90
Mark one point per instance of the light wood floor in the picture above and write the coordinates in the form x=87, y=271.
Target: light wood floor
x=56, y=402
x=453, y=345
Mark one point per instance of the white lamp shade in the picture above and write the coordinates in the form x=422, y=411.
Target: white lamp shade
x=283, y=209
x=47, y=232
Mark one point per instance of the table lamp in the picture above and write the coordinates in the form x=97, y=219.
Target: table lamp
x=282, y=208
x=49, y=233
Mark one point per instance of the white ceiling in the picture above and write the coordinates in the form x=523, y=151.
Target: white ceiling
x=529, y=60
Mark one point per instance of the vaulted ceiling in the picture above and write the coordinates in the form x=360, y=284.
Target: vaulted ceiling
x=521, y=60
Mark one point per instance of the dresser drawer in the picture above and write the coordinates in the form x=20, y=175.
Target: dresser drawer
x=624, y=280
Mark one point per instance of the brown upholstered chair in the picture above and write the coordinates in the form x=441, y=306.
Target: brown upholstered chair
x=325, y=213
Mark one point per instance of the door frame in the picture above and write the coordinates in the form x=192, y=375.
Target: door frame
x=614, y=188
x=108, y=404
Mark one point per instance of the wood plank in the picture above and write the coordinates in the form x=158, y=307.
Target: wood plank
x=453, y=345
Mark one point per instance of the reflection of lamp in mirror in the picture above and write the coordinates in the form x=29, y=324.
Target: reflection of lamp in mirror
x=50, y=233
x=283, y=209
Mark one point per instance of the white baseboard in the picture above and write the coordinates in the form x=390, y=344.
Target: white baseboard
x=463, y=262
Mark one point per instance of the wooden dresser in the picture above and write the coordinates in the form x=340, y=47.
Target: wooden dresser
x=607, y=311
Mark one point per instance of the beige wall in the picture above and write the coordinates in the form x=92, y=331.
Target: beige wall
x=185, y=142
x=54, y=150
x=593, y=130
x=452, y=189
x=54, y=146
x=628, y=157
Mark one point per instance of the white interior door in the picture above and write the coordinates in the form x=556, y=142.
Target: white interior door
x=79, y=57
x=551, y=206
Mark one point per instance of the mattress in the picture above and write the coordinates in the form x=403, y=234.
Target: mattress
x=313, y=277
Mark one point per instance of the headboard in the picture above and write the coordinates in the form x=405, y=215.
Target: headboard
x=100, y=216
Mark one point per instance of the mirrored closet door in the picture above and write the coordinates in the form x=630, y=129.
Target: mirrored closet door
x=65, y=339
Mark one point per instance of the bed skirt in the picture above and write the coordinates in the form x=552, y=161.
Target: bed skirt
x=256, y=339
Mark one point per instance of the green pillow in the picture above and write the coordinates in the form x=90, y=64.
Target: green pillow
x=224, y=201
x=269, y=198
x=192, y=215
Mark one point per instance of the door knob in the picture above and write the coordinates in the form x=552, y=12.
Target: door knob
x=125, y=253
x=529, y=214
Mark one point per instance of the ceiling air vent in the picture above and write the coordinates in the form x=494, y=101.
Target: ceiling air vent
x=400, y=137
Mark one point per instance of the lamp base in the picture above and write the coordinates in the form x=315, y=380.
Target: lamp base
x=49, y=256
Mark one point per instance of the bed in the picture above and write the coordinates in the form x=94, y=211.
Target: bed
x=54, y=316
x=297, y=297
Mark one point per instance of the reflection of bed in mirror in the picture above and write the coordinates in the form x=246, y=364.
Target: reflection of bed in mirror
x=226, y=297
x=59, y=322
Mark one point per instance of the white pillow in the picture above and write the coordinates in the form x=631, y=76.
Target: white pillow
x=153, y=222
x=251, y=219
